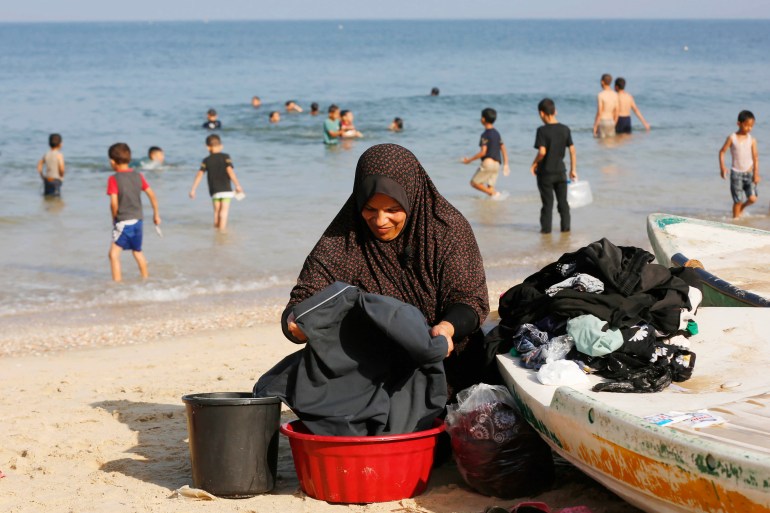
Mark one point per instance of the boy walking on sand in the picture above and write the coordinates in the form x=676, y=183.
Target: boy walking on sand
x=744, y=172
x=53, y=161
x=551, y=141
x=220, y=171
x=125, y=191
x=492, y=153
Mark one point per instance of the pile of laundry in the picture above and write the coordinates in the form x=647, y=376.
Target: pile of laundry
x=609, y=309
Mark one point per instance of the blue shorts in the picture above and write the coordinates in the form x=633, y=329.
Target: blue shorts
x=128, y=234
x=742, y=186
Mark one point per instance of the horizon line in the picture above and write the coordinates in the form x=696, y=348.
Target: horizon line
x=337, y=20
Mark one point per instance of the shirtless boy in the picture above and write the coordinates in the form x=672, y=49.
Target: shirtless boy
x=626, y=104
x=606, y=110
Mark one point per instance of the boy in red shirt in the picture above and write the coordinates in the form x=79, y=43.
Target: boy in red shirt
x=125, y=191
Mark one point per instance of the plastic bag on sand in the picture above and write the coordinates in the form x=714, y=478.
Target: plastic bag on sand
x=197, y=494
x=496, y=451
x=561, y=372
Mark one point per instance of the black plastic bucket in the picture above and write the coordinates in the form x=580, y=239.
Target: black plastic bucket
x=233, y=442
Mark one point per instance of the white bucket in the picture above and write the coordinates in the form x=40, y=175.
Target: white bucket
x=579, y=194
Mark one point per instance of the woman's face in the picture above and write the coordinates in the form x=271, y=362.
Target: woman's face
x=384, y=216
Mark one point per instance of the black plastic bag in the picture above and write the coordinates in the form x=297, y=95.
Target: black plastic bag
x=497, y=452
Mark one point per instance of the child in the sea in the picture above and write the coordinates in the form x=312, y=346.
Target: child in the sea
x=274, y=117
x=551, y=141
x=492, y=153
x=332, y=131
x=154, y=160
x=53, y=161
x=397, y=125
x=346, y=125
x=291, y=106
x=744, y=172
x=314, y=110
x=212, y=123
x=220, y=172
x=125, y=189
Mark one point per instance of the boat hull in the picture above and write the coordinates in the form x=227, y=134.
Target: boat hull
x=716, y=291
x=656, y=469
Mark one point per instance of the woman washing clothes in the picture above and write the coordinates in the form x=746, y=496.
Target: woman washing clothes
x=397, y=236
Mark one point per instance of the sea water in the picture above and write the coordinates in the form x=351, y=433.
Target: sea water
x=151, y=84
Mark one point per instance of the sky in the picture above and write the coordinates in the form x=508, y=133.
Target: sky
x=160, y=10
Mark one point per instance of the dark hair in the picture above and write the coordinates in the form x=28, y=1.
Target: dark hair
x=332, y=108
x=547, y=106
x=213, y=140
x=212, y=112
x=153, y=149
x=745, y=115
x=489, y=115
x=434, y=91
x=54, y=140
x=289, y=102
x=399, y=123
x=314, y=106
x=120, y=153
x=343, y=112
x=620, y=83
x=606, y=79
x=270, y=116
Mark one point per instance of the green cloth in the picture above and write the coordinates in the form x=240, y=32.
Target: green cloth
x=692, y=327
x=590, y=335
x=331, y=125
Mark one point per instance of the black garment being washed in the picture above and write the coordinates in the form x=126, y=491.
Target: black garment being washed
x=370, y=366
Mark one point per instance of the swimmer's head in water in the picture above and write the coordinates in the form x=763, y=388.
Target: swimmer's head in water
x=120, y=153
x=256, y=102
x=434, y=91
x=397, y=125
x=54, y=140
x=212, y=115
x=274, y=116
x=620, y=83
x=314, y=108
x=155, y=153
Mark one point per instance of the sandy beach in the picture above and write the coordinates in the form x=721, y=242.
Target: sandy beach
x=97, y=430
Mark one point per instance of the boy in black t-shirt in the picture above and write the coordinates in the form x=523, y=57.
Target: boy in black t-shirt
x=220, y=173
x=492, y=153
x=550, y=142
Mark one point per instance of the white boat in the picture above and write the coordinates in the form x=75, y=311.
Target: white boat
x=670, y=469
x=735, y=259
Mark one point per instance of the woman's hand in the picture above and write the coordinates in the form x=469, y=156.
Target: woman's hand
x=294, y=329
x=447, y=330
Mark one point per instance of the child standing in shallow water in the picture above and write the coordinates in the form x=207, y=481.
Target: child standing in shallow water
x=551, y=141
x=53, y=161
x=220, y=173
x=744, y=172
x=125, y=191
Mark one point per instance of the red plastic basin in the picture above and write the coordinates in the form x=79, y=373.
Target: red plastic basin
x=360, y=469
